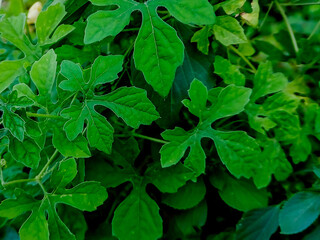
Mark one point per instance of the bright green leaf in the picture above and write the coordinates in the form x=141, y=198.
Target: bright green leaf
x=73, y=72
x=11, y=208
x=108, y=23
x=266, y=82
x=228, y=31
x=228, y=72
x=35, y=228
x=26, y=152
x=10, y=70
x=43, y=73
x=105, y=69
x=86, y=196
x=158, y=51
x=231, y=6
x=202, y=11
x=64, y=174
x=129, y=103
x=48, y=21
x=14, y=123
x=252, y=19
x=137, y=217
x=77, y=148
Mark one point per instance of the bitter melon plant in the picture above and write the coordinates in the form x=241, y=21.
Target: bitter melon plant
x=159, y=119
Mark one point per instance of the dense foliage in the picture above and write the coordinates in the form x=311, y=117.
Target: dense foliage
x=160, y=119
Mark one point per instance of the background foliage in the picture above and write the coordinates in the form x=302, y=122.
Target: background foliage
x=160, y=119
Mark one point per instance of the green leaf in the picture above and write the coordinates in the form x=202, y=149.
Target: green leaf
x=231, y=101
x=14, y=123
x=187, y=196
x=228, y=31
x=231, y=6
x=73, y=72
x=198, y=94
x=108, y=23
x=58, y=230
x=24, y=91
x=63, y=175
x=180, y=141
x=258, y=224
x=169, y=180
x=252, y=19
x=99, y=131
x=288, y=125
x=33, y=129
x=62, y=31
x=12, y=29
x=137, y=217
x=226, y=102
x=158, y=51
x=105, y=69
x=75, y=221
x=26, y=152
x=16, y=101
x=299, y=212
x=189, y=221
x=228, y=72
x=258, y=118
x=301, y=148
x=35, y=228
x=201, y=37
x=10, y=70
x=202, y=11
x=240, y=194
x=86, y=196
x=275, y=160
x=77, y=148
x=11, y=208
x=48, y=21
x=43, y=73
x=239, y=152
x=129, y=103
x=266, y=82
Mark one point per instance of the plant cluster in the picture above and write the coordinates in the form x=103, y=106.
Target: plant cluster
x=159, y=119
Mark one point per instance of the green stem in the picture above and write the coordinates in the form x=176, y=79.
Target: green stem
x=5, y=184
x=300, y=4
x=143, y=137
x=43, y=188
x=40, y=115
x=314, y=30
x=149, y=138
x=244, y=58
x=128, y=50
x=166, y=17
x=267, y=14
x=36, y=179
x=74, y=98
x=130, y=29
x=2, y=99
x=286, y=20
x=44, y=169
